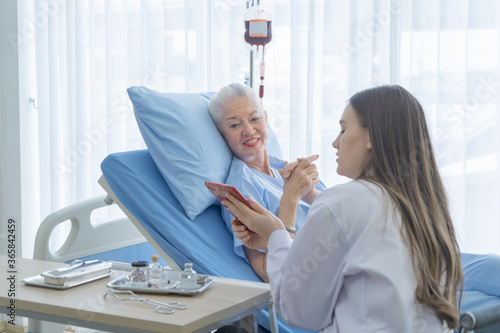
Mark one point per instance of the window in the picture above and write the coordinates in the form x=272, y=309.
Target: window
x=86, y=53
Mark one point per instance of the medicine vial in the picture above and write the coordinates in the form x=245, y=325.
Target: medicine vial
x=155, y=269
x=188, y=277
x=140, y=272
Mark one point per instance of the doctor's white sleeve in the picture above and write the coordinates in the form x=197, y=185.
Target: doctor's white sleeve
x=306, y=274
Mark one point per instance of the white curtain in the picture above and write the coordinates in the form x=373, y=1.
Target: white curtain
x=87, y=53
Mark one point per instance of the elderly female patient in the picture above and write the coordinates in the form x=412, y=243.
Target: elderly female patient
x=238, y=114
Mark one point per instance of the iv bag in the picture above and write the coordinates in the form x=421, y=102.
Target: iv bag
x=258, y=26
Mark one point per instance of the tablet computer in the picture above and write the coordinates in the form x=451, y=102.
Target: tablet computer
x=221, y=190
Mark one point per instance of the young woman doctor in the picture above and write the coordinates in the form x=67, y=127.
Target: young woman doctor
x=379, y=253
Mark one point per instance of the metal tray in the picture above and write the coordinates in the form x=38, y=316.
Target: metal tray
x=122, y=283
x=39, y=281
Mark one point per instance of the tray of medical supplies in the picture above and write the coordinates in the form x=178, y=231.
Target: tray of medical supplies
x=166, y=286
x=77, y=273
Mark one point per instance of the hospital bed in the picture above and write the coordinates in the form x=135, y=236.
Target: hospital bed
x=136, y=182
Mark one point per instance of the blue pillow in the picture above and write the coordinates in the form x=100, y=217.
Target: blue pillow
x=185, y=144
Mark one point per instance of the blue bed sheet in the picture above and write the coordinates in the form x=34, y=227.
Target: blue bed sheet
x=205, y=241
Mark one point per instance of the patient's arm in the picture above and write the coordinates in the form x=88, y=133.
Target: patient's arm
x=311, y=195
x=251, y=242
x=300, y=181
x=257, y=260
x=288, y=211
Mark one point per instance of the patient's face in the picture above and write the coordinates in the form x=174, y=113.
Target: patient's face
x=244, y=127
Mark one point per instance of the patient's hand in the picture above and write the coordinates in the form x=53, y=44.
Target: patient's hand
x=249, y=238
x=300, y=178
x=288, y=168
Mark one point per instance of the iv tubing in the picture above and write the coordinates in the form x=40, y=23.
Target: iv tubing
x=262, y=71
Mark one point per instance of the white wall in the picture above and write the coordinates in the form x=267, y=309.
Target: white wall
x=10, y=156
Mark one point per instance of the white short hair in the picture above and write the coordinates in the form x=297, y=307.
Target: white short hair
x=218, y=101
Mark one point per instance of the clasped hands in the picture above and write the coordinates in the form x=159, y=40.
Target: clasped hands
x=254, y=226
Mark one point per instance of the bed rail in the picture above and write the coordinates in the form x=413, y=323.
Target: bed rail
x=104, y=236
x=480, y=319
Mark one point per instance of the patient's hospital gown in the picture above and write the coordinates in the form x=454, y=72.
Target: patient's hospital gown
x=264, y=189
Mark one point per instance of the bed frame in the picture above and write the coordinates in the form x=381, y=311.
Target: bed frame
x=104, y=236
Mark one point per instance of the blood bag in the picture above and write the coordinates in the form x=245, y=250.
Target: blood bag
x=258, y=26
x=258, y=32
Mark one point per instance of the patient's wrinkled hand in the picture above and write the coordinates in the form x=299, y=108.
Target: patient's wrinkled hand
x=301, y=178
x=249, y=238
x=288, y=168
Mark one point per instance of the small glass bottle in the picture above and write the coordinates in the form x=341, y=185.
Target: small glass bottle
x=155, y=269
x=140, y=271
x=188, y=277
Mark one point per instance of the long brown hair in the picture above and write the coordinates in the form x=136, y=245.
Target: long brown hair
x=402, y=162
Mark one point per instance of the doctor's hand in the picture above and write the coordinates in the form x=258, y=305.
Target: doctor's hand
x=257, y=219
x=300, y=179
x=250, y=239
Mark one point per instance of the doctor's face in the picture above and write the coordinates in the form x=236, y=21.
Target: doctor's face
x=353, y=145
x=244, y=127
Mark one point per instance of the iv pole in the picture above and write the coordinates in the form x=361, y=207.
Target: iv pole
x=251, y=51
x=273, y=321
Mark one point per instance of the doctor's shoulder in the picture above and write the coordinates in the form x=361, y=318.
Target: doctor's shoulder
x=359, y=191
x=356, y=197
